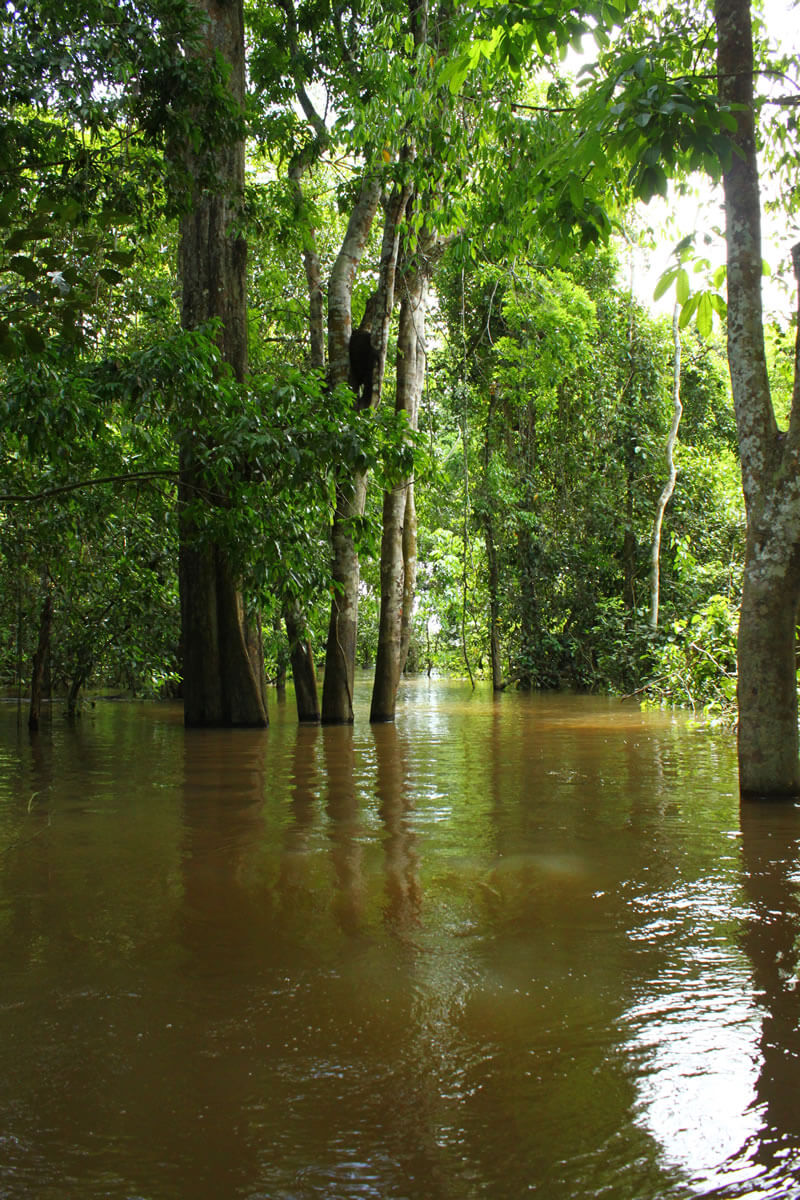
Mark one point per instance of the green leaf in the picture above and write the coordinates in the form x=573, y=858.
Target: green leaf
x=682, y=288
x=665, y=283
x=719, y=305
x=688, y=311
x=704, y=315
x=122, y=258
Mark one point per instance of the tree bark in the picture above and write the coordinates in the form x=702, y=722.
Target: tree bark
x=398, y=543
x=770, y=462
x=219, y=685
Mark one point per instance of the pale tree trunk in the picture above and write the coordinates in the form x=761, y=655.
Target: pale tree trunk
x=219, y=685
x=767, y=689
x=669, y=486
x=351, y=491
x=398, y=543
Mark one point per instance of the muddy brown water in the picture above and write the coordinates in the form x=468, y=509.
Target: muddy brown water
x=524, y=946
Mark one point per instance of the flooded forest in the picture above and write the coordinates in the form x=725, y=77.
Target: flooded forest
x=399, y=544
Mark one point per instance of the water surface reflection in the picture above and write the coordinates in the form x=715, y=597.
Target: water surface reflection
x=506, y=947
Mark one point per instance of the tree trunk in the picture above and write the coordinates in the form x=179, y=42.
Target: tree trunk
x=767, y=689
x=669, y=486
x=409, y=573
x=340, y=651
x=491, y=550
x=302, y=659
x=767, y=684
x=219, y=685
x=494, y=603
x=301, y=656
x=398, y=545
x=40, y=660
x=254, y=640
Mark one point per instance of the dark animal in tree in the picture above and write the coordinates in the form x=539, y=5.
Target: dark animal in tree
x=363, y=360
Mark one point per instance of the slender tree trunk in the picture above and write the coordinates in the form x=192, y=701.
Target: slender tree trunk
x=340, y=650
x=767, y=689
x=219, y=685
x=40, y=660
x=669, y=486
x=301, y=655
x=409, y=573
x=491, y=552
x=398, y=544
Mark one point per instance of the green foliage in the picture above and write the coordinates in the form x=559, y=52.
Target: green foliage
x=94, y=99
x=694, y=664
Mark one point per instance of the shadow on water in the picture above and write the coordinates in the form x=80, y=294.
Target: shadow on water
x=510, y=946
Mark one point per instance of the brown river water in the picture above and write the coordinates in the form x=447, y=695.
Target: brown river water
x=524, y=946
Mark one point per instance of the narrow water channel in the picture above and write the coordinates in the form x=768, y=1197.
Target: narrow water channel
x=508, y=947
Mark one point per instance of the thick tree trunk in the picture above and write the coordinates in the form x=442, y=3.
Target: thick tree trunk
x=398, y=551
x=768, y=740
x=40, y=661
x=219, y=684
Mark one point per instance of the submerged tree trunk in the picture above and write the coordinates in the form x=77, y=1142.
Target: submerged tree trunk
x=669, y=486
x=219, y=684
x=40, y=660
x=767, y=689
x=398, y=544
